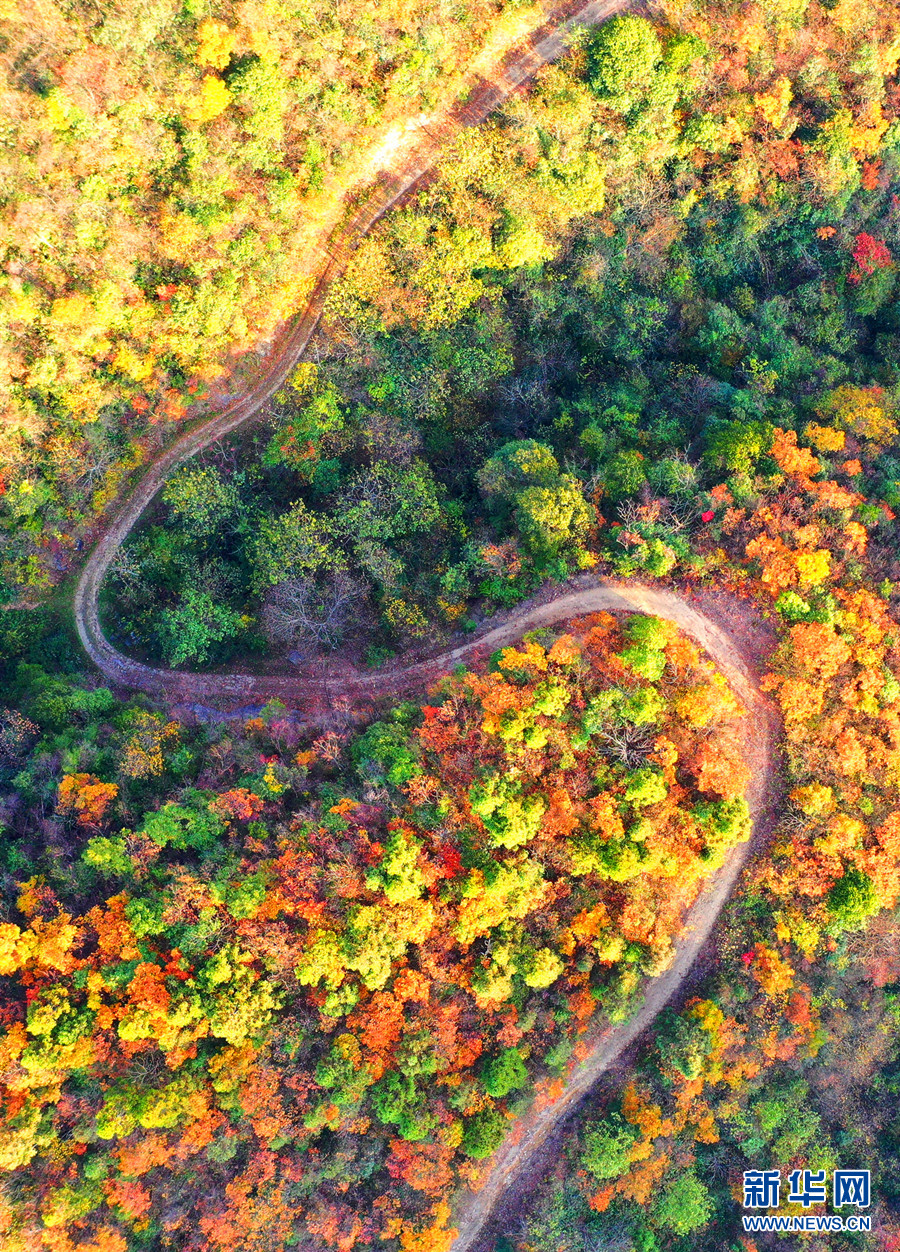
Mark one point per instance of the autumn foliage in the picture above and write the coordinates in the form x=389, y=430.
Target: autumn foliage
x=392, y=975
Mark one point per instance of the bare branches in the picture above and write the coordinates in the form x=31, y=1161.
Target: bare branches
x=311, y=610
x=629, y=744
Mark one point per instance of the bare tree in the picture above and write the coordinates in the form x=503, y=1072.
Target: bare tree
x=388, y=439
x=315, y=610
x=629, y=744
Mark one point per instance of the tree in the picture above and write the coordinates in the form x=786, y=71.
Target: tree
x=738, y=446
x=291, y=545
x=645, y=660
x=388, y=503
x=684, y=1204
x=852, y=899
x=517, y=465
x=622, y=58
x=608, y=1145
x=785, y=1118
x=646, y=786
x=201, y=500
x=181, y=826
x=215, y=43
x=624, y=474
x=859, y=410
x=144, y=752
x=683, y=1043
x=504, y=1073
x=510, y=818
x=315, y=609
x=405, y=620
x=869, y=255
x=483, y=1133
x=539, y=967
x=386, y=751
x=723, y=823
x=397, y=1101
x=399, y=874
x=553, y=518
x=298, y=442
x=85, y=796
x=652, y=632
x=342, y=1073
x=190, y=631
x=109, y=856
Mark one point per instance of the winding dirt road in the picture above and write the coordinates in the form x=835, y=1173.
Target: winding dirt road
x=419, y=157
x=733, y=654
x=362, y=691
x=516, y=1157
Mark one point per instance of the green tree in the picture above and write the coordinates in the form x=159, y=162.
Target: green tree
x=189, y=631
x=483, y=1133
x=646, y=786
x=658, y=558
x=607, y=1146
x=385, y=751
x=738, y=446
x=108, y=855
x=293, y=543
x=683, y=1043
x=504, y=1073
x=510, y=818
x=202, y=502
x=522, y=463
x=723, y=823
x=263, y=91
x=683, y=50
x=624, y=474
x=642, y=707
x=616, y=859
x=622, y=58
x=340, y=1073
x=297, y=443
x=553, y=518
x=397, y=1101
x=387, y=503
x=652, y=632
x=644, y=660
x=684, y=1204
x=399, y=874
x=539, y=967
x=852, y=899
x=183, y=826
x=785, y=1119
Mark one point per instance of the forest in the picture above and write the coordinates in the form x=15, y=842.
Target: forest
x=276, y=979
x=170, y=168
x=244, y=965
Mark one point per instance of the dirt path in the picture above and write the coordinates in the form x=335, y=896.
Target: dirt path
x=516, y=1159
x=732, y=652
x=419, y=154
